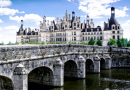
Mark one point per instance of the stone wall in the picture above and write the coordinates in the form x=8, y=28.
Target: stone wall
x=120, y=57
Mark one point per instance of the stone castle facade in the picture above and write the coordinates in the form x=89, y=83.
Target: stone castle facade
x=72, y=30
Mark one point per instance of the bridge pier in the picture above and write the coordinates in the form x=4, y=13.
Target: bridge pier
x=96, y=64
x=81, y=67
x=20, y=78
x=58, y=73
x=107, y=62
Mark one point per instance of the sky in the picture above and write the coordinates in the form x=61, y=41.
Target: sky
x=32, y=12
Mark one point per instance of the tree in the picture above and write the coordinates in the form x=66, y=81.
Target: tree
x=111, y=42
x=128, y=44
x=2, y=43
x=16, y=43
x=9, y=43
x=99, y=42
x=23, y=42
x=91, y=42
x=122, y=42
x=42, y=43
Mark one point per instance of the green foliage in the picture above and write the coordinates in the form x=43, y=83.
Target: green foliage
x=42, y=43
x=111, y=42
x=9, y=43
x=57, y=43
x=16, y=43
x=99, y=42
x=48, y=43
x=23, y=42
x=128, y=44
x=70, y=43
x=2, y=43
x=91, y=42
x=31, y=42
x=52, y=42
x=60, y=43
x=83, y=43
x=122, y=42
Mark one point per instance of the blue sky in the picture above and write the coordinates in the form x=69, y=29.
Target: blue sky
x=32, y=11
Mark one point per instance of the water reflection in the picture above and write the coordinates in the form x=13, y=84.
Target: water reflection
x=115, y=79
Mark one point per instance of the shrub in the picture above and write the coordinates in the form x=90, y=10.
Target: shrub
x=111, y=42
x=2, y=43
x=48, y=43
x=16, y=43
x=91, y=42
x=42, y=43
x=99, y=42
x=23, y=42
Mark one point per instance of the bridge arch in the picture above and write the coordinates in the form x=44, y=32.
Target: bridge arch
x=6, y=83
x=41, y=75
x=70, y=69
x=102, y=63
x=89, y=66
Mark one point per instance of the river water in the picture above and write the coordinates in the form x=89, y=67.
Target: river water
x=114, y=79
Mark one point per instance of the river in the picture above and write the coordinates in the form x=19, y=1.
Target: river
x=114, y=79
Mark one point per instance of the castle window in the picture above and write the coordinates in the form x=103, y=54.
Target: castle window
x=74, y=33
x=94, y=33
x=51, y=35
x=118, y=37
x=101, y=33
x=65, y=26
x=86, y=38
x=100, y=37
x=113, y=32
x=113, y=27
x=74, y=38
x=83, y=33
x=74, y=27
x=94, y=38
x=113, y=37
x=118, y=32
x=88, y=33
x=83, y=38
x=91, y=33
x=74, y=24
x=52, y=27
x=118, y=27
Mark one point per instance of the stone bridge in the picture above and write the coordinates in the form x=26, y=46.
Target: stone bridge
x=49, y=64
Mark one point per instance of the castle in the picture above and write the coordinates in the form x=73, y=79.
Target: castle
x=71, y=30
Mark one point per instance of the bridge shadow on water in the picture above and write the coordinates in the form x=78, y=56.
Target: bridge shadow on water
x=36, y=86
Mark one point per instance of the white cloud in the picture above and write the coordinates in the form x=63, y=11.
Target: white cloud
x=126, y=29
x=69, y=0
x=8, y=11
x=0, y=28
x=12, y=29
x=30, y=18
x=5, y=3
x=100, y=8
x=1, y=21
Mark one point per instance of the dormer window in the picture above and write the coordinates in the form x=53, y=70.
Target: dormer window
x=118, y=27
x=113, y=27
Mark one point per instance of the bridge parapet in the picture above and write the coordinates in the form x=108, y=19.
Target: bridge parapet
x=29, y=51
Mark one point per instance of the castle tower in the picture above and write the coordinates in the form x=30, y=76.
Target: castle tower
x=87, y=23
x=73, y=15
